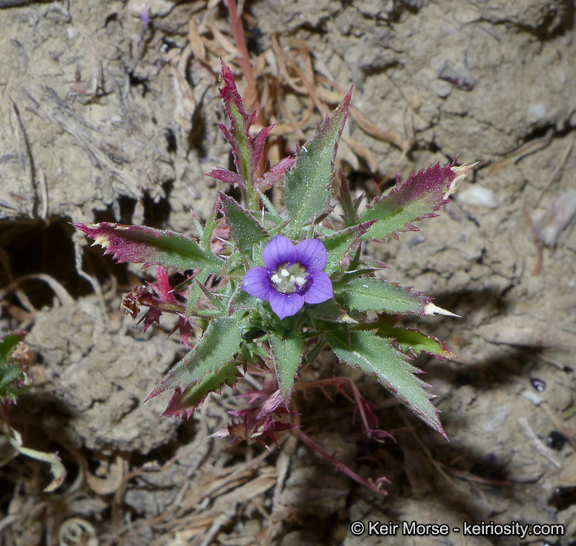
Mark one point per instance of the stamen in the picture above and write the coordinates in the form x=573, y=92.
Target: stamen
x=298, y=281
x=289, y=278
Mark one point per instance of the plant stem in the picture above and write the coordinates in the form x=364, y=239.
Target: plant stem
x=340, y=466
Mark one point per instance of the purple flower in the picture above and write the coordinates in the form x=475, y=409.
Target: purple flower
x=292, y=275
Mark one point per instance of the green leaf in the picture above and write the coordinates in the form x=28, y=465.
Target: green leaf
x=271, y=217
x=242, y=300
x=418, y=197
x=7, y=345
x=217, y=347
x=150, y=246
x=349, y=206
x=185, y=402
x=340, y=244
x=354, y=273
x=414, y=341
x=329, y=311
x=212, y=298
x=287, y=354
x=377, y=357
x=371, y=294
x=308, y=184
x=209, y=227
x=194, y=294
x=12, y=376
x=245, y=229
x=9, y=373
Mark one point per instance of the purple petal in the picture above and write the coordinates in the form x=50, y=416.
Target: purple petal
x=278, y=251
x=286, y=305
x=312, y=254
x=320, y=288
x=257, y=283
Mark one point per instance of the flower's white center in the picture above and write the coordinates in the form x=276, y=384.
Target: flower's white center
x=289, y=278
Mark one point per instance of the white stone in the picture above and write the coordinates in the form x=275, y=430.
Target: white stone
x=477, y=196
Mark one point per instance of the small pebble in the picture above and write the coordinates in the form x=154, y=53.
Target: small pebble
x=537, y=112
x=478, y=196
x=167, y=45
x=538, y=384
x=533, y=397
x=443, y=89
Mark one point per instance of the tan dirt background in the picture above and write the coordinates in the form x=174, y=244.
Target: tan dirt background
x=105, y=118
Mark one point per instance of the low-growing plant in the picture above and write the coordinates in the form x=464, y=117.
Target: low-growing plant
x=13, y=371
x=274, y=288
x=15, y=380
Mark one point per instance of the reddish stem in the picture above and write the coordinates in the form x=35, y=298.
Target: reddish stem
x=340, y=382
x=340, y=466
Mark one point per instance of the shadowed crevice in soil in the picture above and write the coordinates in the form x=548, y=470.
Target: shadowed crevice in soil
x=37, y=248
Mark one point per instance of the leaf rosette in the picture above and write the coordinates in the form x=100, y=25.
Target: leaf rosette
x=275, y=287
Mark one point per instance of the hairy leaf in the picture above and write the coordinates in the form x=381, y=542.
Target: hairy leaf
x=247, y=150
x=418, y=197
x=210, y=226
x=227, y=176
x=185, y=401
x=245, y=229
x=212, y=298
x=150, y=246
x=274, y=174
x=371, y=294
x=414, y=341
x=340, y=244
x=217, y=347
x=377, y=357
x=241, y=300
x=330, y=311
x=349, y=206
x=287, y=354
x=308, y=185
x=194, y=294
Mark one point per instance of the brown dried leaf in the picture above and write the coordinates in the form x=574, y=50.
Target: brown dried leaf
x=185, y=103
x=196, y=41
x=373, y=130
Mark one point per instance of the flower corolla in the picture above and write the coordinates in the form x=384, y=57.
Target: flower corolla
x=292, y=275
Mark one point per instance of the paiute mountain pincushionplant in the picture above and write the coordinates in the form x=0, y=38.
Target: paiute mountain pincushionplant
x=273, y=288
